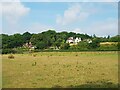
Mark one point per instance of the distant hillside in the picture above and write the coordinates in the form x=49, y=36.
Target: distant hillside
x=51, y=38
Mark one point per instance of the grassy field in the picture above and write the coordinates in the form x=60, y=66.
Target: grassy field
x=60, y=69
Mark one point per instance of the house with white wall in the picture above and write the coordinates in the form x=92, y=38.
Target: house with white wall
x=88, y=40
x=70, y=40
x=73, y=41
x=77, y=40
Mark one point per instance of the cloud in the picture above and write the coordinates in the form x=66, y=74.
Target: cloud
x=108, y=27
x=78, y=30
x=13, y=11
x=72, y=14
x=37, y=27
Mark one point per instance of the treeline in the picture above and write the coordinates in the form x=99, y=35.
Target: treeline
x=51, y=39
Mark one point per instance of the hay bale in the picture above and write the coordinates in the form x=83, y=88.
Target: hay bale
x=34, y=64
x=76, y=55
x=11, y=56
x=34, y=55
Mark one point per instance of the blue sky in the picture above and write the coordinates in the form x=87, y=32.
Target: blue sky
x=98, y=18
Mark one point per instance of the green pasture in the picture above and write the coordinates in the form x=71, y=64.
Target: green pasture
x=60, y=69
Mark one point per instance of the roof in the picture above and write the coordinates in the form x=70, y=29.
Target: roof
x=70, y=38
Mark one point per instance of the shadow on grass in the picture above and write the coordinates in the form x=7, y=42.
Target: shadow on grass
x=99, y=84
x=90, y=85
x=96, y=85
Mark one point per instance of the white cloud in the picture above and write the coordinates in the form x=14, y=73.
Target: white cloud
x=108, y=27
x=13, y=11
x=37, y=27
x=71, y=15
x=78, y=30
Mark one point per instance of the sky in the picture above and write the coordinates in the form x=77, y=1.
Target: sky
x=100, y=18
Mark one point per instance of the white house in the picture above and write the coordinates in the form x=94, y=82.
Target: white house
x=73, y=41
x=89, y=40
x=77, y=40
x=29, y=45
x=70, y=40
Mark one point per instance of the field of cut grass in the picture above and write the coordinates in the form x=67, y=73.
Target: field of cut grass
x=0, y=72
x=60, y=69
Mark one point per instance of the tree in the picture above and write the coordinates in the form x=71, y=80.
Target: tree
x=17, y=40
x=5, y=41
x=82, y=45
x=108, y=37
x=0, y=42
x=58, y=43
x=65, y=46
x=26, y=37
x=36, y=38
x=41, y=45
x=94, y=36
x=12, y=41
x=49, y=37
x=115, y=38
x=72, y=34
x=95, y=44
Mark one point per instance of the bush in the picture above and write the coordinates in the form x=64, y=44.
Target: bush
x=65, y=46
x=34, y=55
x=41, y=45
x=108, y=47
x=11, y=56
x=7, y=51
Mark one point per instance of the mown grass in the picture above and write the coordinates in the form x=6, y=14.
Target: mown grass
x=0, y=71
x=61, y=69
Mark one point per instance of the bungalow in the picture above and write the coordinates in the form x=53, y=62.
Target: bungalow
x=73, y=41
x=88, y=40
x=29, y=45
x=77, y=40
x=70, y=40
